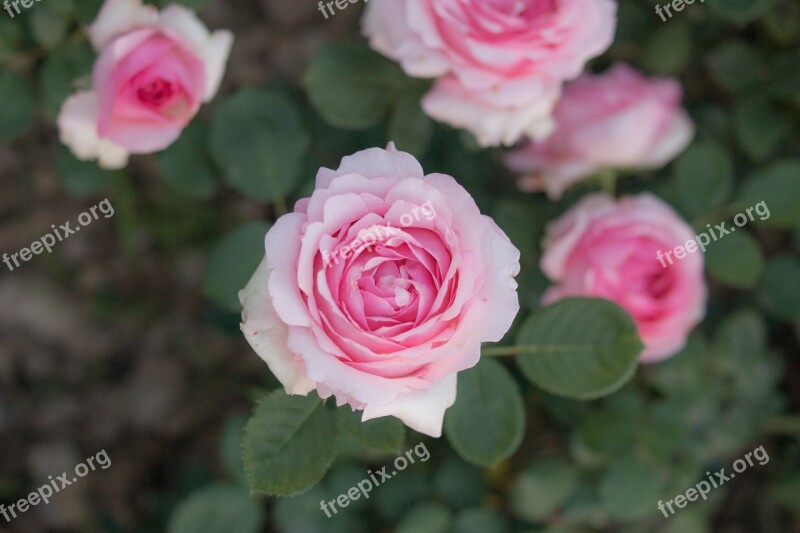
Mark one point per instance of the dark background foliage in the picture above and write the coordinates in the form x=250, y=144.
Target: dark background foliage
x=126, y=337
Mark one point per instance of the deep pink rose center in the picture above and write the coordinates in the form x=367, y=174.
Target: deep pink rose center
x=156, y=93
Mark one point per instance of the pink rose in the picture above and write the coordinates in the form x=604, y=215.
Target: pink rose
x=501, y=63
x=380, y=287
x=154, y=71
x=609, y=249
x=617, y=120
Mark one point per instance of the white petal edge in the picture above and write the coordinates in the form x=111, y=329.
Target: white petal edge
x=451, y=103
x=120, y=16
x=373, y=163
x=212, y=49
x=422, y=411
x=77, y=124
x=673, y=142
x=267, y=334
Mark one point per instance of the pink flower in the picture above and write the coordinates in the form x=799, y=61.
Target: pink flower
x=609, y=249
x=154, y=71
x=380, y=287
x=500, y=63
x=617, y=120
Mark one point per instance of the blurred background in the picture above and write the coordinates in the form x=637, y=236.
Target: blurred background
x=126, y=339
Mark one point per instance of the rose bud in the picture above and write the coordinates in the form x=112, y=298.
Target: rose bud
x=616, y=120
x=154, y=71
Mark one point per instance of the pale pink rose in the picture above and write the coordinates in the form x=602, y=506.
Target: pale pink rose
x=379, y=288
x=616, y=120
x=154, y=71
x=501, y=62
x=608, y=248
x=449, y=101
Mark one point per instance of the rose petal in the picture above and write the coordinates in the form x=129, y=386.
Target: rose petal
x=120, y=16
x=77, y=124
x=422, y=411
x=267, y=334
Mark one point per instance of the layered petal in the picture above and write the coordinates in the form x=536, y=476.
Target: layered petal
x=212, y=49
x=617, y=120
x=499, y=65
x=267, y=334
x=386, y=282
x=492, y=124
x=154, y=71
x=422, y=411
x=77, y=124
x=117, y=17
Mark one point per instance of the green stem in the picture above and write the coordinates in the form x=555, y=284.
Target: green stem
x=783, y=425
x=498, y=351
x=123, y=196
x=608, y=181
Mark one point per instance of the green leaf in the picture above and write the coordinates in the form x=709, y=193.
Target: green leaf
x=703, y=177
x=19, y=109
x=785, y=81
x=426, y=518
x=186, y=166
x=231, y=447
x=82, y=179
x=479, y=520
x=303, y=514
x=780, y=288
x=776, y=189
x=218, y=509
x=86, y=10
x=738, y=11
x=688, y=521
x=459, y=484
x=633, y=23
x=289, y=444
x=394, y=500
x=372, y=439
x=487, y=422
x=542, y=489
x=713, y=120
x=669, y=50
x=782, y=21
x=736, y=260
x=787, y=493
x=629, y=489
x=10, y=36
x=580, y=348
x=736, y=66
x=259, y=140
x=352, y=86
x=65, y=7
x=60, y=71
x=523, y=223
x=601, y=436
x=49, y=26
x=796, y=234
x=232, y=262
x=582, y=507
x=410, y=127
x=761, y=127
